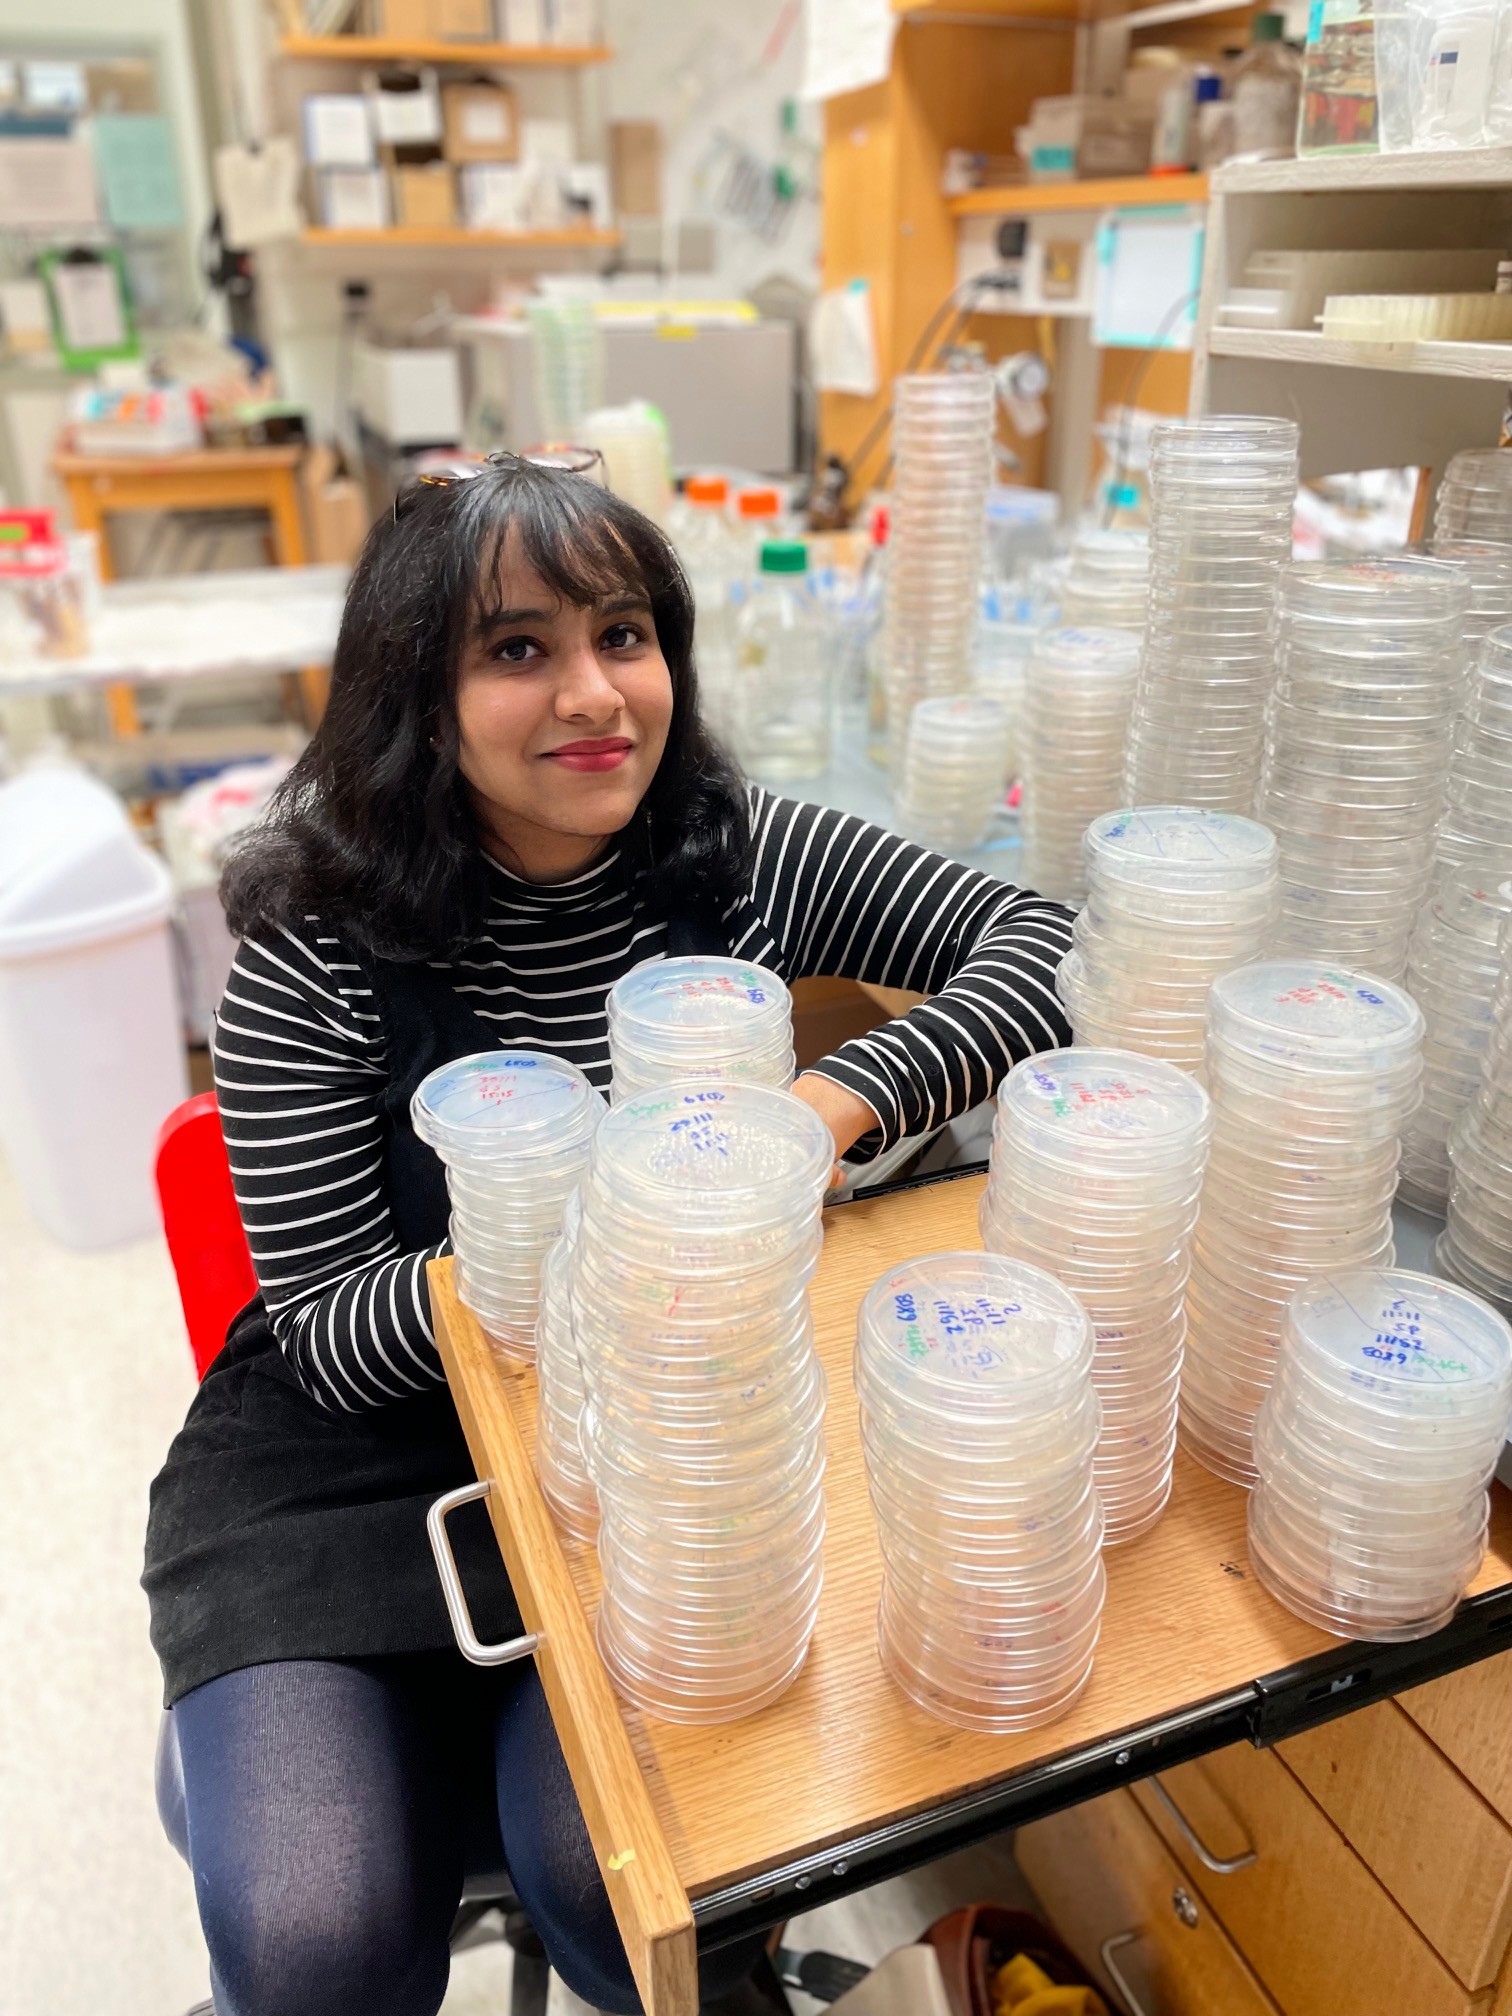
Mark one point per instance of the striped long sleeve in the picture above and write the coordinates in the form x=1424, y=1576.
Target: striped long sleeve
x=299, y=1073
x=837, y=896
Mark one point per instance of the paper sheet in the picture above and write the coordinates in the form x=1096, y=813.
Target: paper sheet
x=843, y=342
x=258, y=193
x=138, y=171
x=847, y=44
x=47, y=185
x=90, y=311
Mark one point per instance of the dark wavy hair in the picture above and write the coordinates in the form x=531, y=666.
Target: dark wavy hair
x=372, y=830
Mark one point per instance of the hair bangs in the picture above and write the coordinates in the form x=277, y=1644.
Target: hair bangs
x=562, y=531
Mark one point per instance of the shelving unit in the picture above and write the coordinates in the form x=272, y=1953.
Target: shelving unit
x=1124, y=192
x=1311, y=346
x=488, y=55
x=457, y=237
x=1351, y=416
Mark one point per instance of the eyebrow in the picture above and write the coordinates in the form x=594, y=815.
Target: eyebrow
x=614, y=605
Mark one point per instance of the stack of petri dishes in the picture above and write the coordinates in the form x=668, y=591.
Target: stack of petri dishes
x=560, y=1393
x=1107, y=580
x=704, y=1428
x=567, y=348
x=514, y=1128
x=978, y=1427
x=1475, y=497
x=1096, y=1167
x=1000, y=662
x=1222, y=493
x=953, y=770
x=1176, y=895
x=942, y=445
x=1312, y=1070
x=1475, y=828
x=1475, y=1246
x=1452, y=968
x=1357, y=749
x=1488, y=562
x=699, y=1017
x=1375, y=1445
x=1076, y=710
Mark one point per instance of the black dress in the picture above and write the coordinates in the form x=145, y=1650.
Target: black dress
x=283, y=1529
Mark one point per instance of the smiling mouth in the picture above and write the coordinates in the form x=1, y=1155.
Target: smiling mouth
x=605, y=752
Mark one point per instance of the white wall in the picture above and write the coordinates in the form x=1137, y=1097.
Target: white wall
x=704, y=67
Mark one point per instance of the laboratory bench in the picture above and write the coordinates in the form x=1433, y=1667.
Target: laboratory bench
x=1239, y=1815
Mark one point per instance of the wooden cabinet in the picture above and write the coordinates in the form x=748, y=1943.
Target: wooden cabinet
x=1317, y=1927
x=1115, y=1895
x=1430, y=1838
x=1468, y=1715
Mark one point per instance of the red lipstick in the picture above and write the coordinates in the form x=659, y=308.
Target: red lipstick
x=600, y=752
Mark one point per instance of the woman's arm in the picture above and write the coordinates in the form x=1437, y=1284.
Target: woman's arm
x=299, y=1074
x=837, y=896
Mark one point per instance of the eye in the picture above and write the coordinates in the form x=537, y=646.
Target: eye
x=516, y=650
x=623, y=636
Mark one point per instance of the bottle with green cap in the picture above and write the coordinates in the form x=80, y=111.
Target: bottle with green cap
x=785, y=692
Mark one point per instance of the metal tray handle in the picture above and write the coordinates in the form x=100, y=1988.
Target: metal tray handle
x=451, y=1586
x=1107, y=1949
x=1219, y=1865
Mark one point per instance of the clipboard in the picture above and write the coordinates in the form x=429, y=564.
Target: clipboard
x=90, y=305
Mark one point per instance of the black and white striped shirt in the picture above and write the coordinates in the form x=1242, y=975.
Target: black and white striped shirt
x=300, y=1064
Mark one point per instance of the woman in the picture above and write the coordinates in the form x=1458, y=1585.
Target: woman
x=510, y=802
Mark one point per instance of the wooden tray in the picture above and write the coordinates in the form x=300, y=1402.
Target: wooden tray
x=677, y=1813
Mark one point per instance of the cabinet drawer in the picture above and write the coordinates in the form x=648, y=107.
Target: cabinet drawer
x=1101, y=1875
x=1436, y=1845
x=1309, y=1917
x=1469, y=1716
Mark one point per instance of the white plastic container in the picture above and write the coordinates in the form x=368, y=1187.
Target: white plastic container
x=91, y=1049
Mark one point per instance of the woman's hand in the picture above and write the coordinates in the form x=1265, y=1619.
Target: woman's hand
x=846, y=1115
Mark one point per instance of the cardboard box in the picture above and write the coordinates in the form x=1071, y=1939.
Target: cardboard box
x=336, y=510
x=635, y=167
x=462, y=20
x=480, y=122
x=425, y=196
x=402, y=20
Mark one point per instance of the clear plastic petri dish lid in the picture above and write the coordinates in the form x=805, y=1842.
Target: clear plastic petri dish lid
x=709, y=1151
x=1092, y=653
x=1180, y=847
x=1312, y=1012
x=502, y=1103
x=698, y=1000
x=1404, y=1341
x=1104, y=1105
x=977, y=1329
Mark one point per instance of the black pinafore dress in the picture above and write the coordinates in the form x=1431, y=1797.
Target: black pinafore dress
x=283, y=1529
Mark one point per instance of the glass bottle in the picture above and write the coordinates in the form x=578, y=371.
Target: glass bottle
x=785, y=695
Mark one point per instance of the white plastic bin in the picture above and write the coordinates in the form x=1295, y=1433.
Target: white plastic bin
x=91, y=1045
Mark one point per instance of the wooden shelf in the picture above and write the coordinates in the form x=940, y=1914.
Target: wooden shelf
x=1121, y=192
x=1463, y=168
x=959, y=13
x=456, y=237
x=390, y=49
x=1310, y=346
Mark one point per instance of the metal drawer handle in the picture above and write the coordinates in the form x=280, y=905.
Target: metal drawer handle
x=451, y=1586
x=1218, y=1864
x=1115, y=1974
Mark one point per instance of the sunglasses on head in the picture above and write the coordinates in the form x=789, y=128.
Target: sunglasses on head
x=569, y=460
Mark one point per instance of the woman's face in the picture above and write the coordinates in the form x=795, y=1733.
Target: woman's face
x=562, y=717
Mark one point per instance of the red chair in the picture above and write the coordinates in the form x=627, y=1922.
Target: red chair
x=204, y=1230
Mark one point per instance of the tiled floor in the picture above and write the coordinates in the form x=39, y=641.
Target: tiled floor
x=96, y=1911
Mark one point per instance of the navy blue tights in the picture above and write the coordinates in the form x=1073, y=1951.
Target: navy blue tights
x=331, y=1807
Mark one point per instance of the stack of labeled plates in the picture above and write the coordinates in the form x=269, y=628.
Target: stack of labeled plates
x=1476, y=1244
x=560, y=1394
x=979, y=1424
x=953, y=770
x=1391, y=1402
x=699, y=1017
x=1475, y=829
x=1076, y=708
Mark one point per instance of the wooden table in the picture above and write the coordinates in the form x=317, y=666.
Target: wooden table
x=704, y=1834
x=208, y=479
